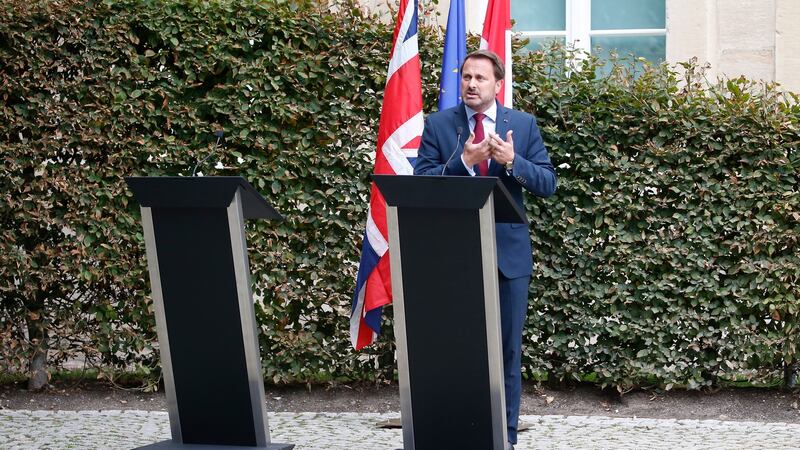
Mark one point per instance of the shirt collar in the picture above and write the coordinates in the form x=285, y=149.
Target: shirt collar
x=491, y=113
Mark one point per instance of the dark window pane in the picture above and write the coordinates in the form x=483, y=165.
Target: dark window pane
x=543, y=42
x=539, y=15
x=628, y=14
x=651, y=48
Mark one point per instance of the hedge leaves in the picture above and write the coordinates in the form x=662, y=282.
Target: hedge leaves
x=669, y=254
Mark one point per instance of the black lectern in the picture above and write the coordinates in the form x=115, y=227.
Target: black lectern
x=446, y=309
x=200, y=276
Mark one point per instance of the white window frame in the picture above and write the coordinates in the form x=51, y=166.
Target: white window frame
x=579, y=31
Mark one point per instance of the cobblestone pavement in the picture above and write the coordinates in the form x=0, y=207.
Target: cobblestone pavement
x=20, y=429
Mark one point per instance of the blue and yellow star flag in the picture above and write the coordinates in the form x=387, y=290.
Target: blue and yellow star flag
x=455, y=50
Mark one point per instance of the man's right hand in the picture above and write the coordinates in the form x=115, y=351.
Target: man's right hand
x=476, y=152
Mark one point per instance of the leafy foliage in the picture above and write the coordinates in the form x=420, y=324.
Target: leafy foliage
x=669, y=252
x=671, y=248
x=98, y=91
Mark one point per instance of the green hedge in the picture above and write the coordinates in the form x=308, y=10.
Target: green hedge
x=671, y=249
x=669, y=254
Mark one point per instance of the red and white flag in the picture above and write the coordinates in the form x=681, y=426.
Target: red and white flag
x=496, y=36
x=399, y=134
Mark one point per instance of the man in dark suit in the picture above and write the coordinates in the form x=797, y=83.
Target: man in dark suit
x=501, y=143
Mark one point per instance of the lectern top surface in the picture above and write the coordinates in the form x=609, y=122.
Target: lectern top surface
x=200, y=192
x=449, y=192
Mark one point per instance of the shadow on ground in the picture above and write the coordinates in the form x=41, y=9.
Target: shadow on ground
x=740, y=404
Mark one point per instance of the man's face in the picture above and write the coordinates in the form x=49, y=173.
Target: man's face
x=478, y=84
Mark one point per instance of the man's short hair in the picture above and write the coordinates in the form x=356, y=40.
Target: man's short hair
x=499, y=68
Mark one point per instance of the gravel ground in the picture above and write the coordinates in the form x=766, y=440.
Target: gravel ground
x=111, y=430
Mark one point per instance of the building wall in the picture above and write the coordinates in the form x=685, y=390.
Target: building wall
x=387, y=9
x=787, y=44
x=759, y=39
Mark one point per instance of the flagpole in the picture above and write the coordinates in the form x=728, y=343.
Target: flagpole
x=509, y=98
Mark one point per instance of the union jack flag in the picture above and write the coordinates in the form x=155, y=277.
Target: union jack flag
x=399, y=134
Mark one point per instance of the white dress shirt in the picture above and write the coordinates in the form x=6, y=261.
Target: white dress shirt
x=489, y=121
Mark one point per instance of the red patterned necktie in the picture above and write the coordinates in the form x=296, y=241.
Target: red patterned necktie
x=483, y=166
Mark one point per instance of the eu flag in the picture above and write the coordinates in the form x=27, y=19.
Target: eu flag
x=455, y=50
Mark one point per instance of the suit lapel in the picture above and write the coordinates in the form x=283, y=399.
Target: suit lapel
x=460, y=121
x=501, y=127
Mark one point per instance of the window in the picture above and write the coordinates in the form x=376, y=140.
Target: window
x=595, y=26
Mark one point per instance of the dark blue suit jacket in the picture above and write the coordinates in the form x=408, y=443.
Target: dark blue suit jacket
x=532, y=171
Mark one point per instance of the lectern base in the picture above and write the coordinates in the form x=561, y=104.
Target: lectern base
x=170, y=445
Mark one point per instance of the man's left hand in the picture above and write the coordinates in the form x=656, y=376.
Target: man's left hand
x=502, y=151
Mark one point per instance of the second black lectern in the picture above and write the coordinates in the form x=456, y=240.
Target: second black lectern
x=446, y=309
x=200, y=277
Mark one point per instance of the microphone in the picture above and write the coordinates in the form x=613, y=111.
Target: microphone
x=218, y=134
x=459, y=130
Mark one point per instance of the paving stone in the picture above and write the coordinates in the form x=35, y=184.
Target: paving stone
x=21, y=429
